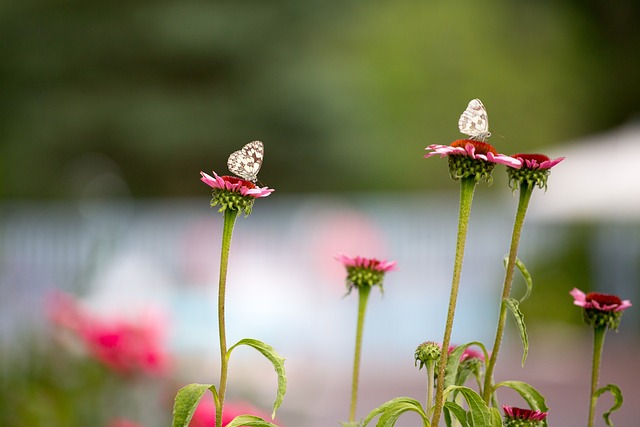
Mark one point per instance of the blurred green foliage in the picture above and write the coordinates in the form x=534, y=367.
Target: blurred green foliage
x=46, y=384
x=345, y=95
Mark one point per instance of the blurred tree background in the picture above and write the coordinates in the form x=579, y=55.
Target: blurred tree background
x=135, y=98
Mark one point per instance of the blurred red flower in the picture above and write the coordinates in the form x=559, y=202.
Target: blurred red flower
x=123, y=345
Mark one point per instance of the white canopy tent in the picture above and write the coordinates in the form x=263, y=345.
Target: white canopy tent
x=599, y=180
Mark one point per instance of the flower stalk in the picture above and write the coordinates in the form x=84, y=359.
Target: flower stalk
x=230, y=216
x=363, y=298
x=602, y=312
x=467, y=188
x=598, y=343
x=427, y=354
x=362, y=274
x=526, y=190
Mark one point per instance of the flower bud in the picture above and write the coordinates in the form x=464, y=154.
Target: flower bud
x=426, y=352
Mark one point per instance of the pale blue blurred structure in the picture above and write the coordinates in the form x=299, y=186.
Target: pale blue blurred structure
x=284, y=286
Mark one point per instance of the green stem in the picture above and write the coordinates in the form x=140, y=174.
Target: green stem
x=363, y=297
x=526, y=191
x=467, y=187
x=430, y=379
x=230, y=216
x=598, y=343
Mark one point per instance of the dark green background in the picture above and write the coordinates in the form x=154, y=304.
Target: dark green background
x=345, y=95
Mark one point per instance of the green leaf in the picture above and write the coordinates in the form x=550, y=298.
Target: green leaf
x=187, y=401
x=453, y=363
x=527, y=279
x=479, y=414
x=278, y=364
x=535, y=400
x=513, y=306
x=496, y=417
x=617, y=400
x=525, y=274
x=390, y=412
x=458, y=412
x=249, y=421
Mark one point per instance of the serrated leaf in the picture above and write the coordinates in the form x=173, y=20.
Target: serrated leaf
x=532, y=396
x=513, y=306
x=525, y=274
x=278, y=364
x=390, y=412
x=249, y=421
x=527, y=279
x=186, y=402
x=452, y=408
x=617, y=400
x=479, y=414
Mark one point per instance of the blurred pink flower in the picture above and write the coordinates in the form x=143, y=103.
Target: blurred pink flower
x=123, y=422
x=238, y=185
x=468, y=353
x=205, y=414
x=600, y=302
x=123, y=345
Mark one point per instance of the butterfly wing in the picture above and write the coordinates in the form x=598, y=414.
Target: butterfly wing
x=474, y=121
x=247, y=161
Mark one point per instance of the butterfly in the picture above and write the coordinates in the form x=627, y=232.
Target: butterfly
x=474, y=121
x=246, y=162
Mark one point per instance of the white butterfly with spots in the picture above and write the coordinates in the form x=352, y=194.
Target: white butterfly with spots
x=247, y=161
x=474, y=121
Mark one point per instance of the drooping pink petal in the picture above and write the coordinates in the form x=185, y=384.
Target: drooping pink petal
x=504, y=160
x=443, y=150
x=579, y=297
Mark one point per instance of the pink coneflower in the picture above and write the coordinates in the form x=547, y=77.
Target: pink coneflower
x=533, y=169
x=522, y=417
x=600, y=309
x=370, y=263
x=601, y=302
x=234, y=193
x=238, y=185
x=470, y=158
x=365, y=271
x=536, y=161
x=474, y=149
